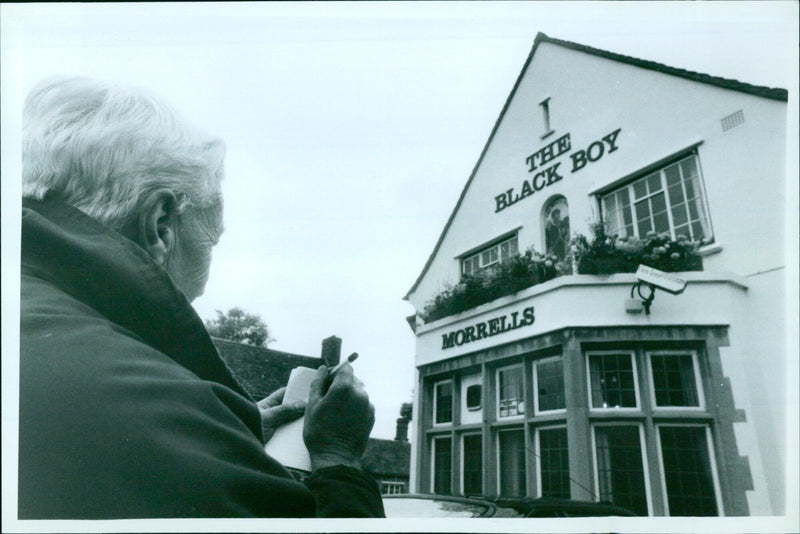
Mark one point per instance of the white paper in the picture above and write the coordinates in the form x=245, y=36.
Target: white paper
x=287, y=445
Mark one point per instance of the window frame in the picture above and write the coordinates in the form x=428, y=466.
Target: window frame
x=464, y=456
x=436, y=401
x=538, y=459
x=642, y=453
x=434, y=439
x=536, y=409
x=499, y=465
x=478, y=254
x=390, y=486
x=711, y=459
x=628, y=184
x=634, y=370
x=497, y=388
x=701, y=403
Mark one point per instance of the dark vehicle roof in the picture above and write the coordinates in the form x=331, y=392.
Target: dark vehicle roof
x=552, y=507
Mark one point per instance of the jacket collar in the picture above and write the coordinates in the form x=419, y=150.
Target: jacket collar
x=116, y=277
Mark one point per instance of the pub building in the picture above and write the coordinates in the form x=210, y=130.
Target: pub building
x=596, y=387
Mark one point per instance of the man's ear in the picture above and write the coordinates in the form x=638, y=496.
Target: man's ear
x=158, y=224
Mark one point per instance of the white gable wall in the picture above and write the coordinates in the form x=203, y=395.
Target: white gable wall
x=743, y=171
x=658, y=114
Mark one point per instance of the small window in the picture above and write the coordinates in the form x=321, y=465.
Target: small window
x=489, y=256
x=674, y=380
x=443, y=402
x=549, y=382
x=687, y=471
x=510, y=392
x=473, y=464
x=612, y=380
x=392, y=488
x=620, y=469
x=474, y=397
x=669, y=200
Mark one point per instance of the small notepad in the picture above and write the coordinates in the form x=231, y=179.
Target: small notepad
x=287, y=445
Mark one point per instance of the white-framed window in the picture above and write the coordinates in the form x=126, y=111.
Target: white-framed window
x=392, y=488
x=443, y=402
x=620, y=466
x=675, y=379
x=667, y=200
x=548, y=385
x=472, y=463
x=489, y=256
x=442, y=465
x=511, y=468
x=690, y=485
x=552, y=455
x=510, y=392
x=471, y=399
x=613, y=381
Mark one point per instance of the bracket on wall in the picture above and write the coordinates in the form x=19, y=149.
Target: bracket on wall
x=648, y=300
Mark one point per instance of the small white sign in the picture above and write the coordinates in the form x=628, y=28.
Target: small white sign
x=666, y=281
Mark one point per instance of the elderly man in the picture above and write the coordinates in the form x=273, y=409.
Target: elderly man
x=126, y=409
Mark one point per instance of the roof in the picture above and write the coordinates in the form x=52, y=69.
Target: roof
x=387, y=457
x=725, y=83
x=261, y=370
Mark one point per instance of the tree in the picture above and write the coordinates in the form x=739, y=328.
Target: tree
x=405, y=410
x=238, y=325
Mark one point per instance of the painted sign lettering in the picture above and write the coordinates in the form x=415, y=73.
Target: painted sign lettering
x=547, y=176
x=484, y=329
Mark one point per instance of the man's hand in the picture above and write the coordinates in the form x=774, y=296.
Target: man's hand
x=338, y=421
x=274, y=414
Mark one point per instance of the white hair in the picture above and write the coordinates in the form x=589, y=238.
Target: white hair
x=104, y=147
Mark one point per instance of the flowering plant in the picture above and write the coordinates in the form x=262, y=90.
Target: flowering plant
x=505, y=278
x=606, y=254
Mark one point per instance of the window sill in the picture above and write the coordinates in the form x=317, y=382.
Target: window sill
x=710, y=249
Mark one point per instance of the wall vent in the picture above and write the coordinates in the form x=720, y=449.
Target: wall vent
x=733, y=120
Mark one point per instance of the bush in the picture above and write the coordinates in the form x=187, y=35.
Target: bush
x=506, y=278
x=607, y=254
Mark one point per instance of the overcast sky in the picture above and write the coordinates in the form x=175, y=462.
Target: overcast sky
x=351, y=130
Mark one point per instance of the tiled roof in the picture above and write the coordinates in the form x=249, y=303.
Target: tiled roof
x=260, y=370
x=726, y=83
x=386, y=457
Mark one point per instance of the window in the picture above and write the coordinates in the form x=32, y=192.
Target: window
x=556, y=227
x=548, y=376
x=687, y=471
x=443, y=402
x=674, y=379
x=392, y=488
x=554, y=463
x=510, y=401
x=612, y=380
x=668, y=200
x=473, y=464
x=489, y=256
x=511, y=460
x=474, y=397
x=442, y=465
x=620, y=471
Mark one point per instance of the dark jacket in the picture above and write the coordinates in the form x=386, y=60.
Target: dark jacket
x=126, y=409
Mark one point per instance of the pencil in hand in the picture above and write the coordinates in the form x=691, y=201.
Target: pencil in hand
x=336, y=368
